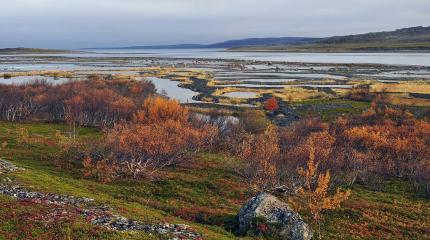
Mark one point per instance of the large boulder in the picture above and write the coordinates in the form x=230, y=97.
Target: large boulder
x=278, y=218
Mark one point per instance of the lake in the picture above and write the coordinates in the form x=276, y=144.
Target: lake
x=401, y=58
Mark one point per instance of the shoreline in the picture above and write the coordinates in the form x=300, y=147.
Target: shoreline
x=311, y=51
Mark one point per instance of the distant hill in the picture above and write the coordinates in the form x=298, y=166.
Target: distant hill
x=230, y=44
x=32, y=51
x=178, y=46
x=405, y=39
x=413, y=34
x=262, y=42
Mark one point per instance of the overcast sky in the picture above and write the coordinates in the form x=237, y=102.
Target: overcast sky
x=100, y=23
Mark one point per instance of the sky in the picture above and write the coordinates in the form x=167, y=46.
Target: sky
x=76, y=24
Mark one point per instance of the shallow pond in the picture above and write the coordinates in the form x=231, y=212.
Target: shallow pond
x=276, y=80
x=248, y=75
x=344, y=86
x=172, y=90
x=249, y=85
x=240, y=94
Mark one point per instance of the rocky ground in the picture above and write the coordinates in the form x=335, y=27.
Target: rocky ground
x=97, y=214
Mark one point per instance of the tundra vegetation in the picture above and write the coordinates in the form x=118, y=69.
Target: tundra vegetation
x=363, y=175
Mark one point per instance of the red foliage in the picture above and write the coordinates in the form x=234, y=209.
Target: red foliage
x=271, y=104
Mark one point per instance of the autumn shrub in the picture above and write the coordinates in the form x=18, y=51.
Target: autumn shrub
x=254, y=121
x=381, y=142
x=96, y=102
x=314, y=194
x=142, y=150
x=160, y=136
x=103, y=170
x=271, y=104
x=259, y=155
x=361, y=93
x=158, y=109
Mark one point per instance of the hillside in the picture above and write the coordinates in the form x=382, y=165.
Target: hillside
x=229, y=44
x=262, y=41
x=406, y=39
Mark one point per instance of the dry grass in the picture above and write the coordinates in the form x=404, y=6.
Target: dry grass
x=404, y=87
x=59, y=74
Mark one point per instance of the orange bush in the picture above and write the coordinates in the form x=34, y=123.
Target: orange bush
x=160, y=136
x=259, y=155
x=142, y=150
x=97, y=102
x=382, y=142
x=158, y=109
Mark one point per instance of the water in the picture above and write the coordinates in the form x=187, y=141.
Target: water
x=344, y=86
x=276, y=80
x=58, y=66
x=416, y=74
x=240, y=94
x=402, y=58
x=172, y=89
x=248, y=85
x=14, y=67
x=251, y=75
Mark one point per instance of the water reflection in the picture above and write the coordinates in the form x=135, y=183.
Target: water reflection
x=172, y=90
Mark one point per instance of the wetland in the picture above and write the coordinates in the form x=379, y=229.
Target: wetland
x=212, y=78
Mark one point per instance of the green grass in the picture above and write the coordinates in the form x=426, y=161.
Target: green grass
x=205, y=193
x=149, y=202
x=397, y=211
x=329, y=109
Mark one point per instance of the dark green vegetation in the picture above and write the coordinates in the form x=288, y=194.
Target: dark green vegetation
x=206, y=194
x=406, y=39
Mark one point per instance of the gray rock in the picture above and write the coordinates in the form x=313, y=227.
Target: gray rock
x=288, y=224
x=7, y=167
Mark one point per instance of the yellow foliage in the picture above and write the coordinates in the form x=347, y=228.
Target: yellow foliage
x=159, y=109
x=316, y=194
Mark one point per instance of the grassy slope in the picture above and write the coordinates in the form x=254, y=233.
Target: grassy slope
x=343, y=47
x=207, y=193
x=406, y=39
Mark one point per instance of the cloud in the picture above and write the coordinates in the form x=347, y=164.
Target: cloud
x=85, y=23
